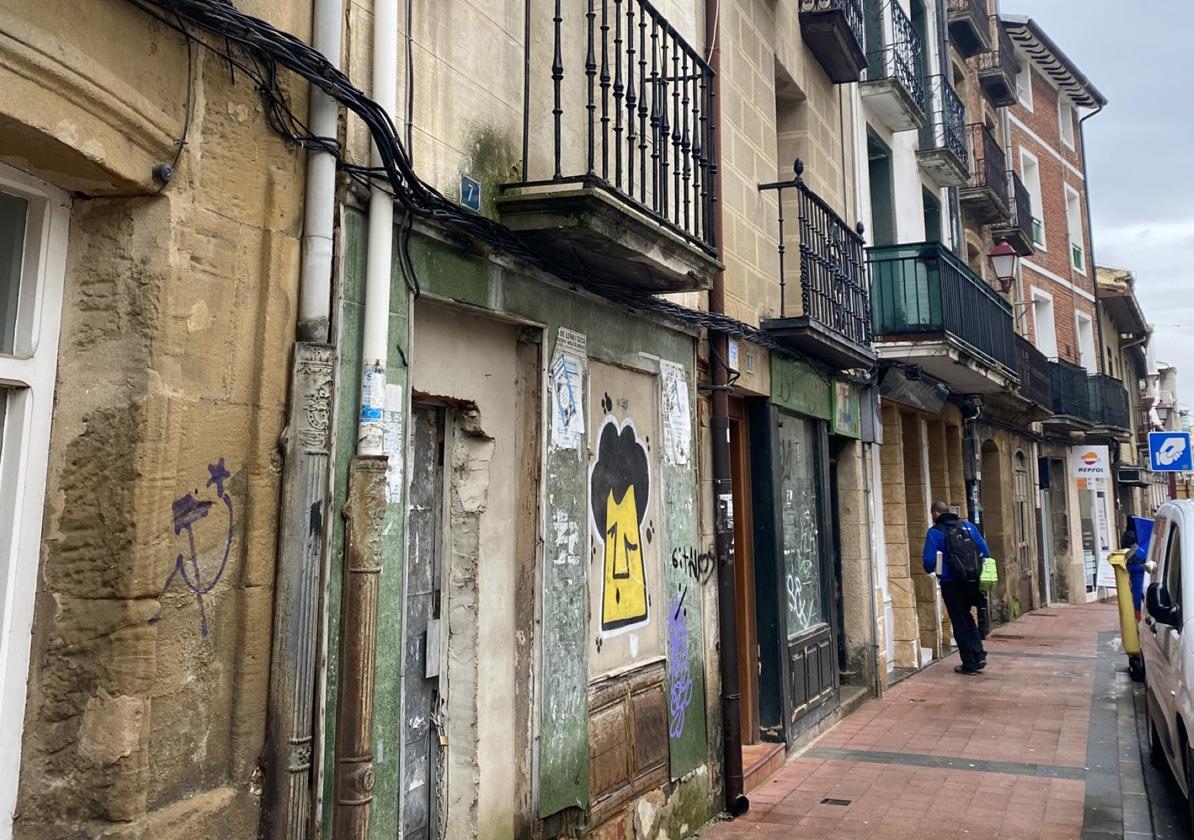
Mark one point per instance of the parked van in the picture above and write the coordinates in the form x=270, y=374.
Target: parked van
x=1167, y=643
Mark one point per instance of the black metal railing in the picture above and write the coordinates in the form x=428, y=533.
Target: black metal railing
x=833, y=280
x=1035, y=377
x=1071, y=393
x=1109, y=405
x=1021, y=206
x=946, y=125
x=988, y=163
x=924, y=289
x=632, y=107
x=1002, y=58
x=903, y=59
x=976, y=8
x=851, y=10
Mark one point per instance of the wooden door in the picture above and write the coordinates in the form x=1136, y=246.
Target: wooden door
x=744, y=571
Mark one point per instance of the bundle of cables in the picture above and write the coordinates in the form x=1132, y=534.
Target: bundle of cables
x=257, y=49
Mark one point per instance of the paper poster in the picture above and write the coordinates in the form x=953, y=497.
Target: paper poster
x=393, y=444
x=567, y=394
x=1106, y=573
x=677, y=416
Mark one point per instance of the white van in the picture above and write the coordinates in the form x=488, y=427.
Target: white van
x=1167, y=643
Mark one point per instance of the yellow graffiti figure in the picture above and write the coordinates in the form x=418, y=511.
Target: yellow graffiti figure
x=624, y=594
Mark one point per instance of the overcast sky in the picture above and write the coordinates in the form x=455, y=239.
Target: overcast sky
x=1140, y=55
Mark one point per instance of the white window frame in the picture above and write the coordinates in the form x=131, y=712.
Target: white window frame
x=1024, y=94
x=1065, y=121
x=1037, y=200
x=1086, y=354
x=1043, y=297
x=27, y=380
x=1074, y=230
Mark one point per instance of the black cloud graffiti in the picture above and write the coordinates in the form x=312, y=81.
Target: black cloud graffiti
x=189, y=511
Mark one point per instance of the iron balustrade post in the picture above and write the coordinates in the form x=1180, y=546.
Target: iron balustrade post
x=591, y=77
x=557, y=78
x=631, y=97
x=619, y=93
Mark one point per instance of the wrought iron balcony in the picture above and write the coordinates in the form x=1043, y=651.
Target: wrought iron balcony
x=833, y=31
x=929, y=308
x=969, y=26
x=997, y=68
x=1071, y=395
x=942, y=153
x=1017, y=231
x=830, y=318
x=894, y=86
x=1109, y=405
x=985, y=194
x=620, y=146
x=1036, y=381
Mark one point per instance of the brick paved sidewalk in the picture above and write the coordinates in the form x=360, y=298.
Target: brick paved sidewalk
x=1002, y=755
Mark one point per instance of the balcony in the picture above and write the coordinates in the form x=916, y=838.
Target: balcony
x=997, y=69
x=894, y=86
x=1018, y=230
x=1071, y=397
x=1109, y=406
x=832, y=29
x=830, y=318
x=620, y=150
x=969, y=26
x=929, y=309
x=942, y=153
x=1036, y=381
x=985, y=194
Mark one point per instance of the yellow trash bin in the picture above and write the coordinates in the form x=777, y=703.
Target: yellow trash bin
x=1128, y=629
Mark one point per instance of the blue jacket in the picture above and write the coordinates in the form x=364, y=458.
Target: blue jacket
x=935, y=541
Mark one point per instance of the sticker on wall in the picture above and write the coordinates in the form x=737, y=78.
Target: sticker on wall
x=392, y=443
x=567, y=396
x=620, y=487
x=677, y=417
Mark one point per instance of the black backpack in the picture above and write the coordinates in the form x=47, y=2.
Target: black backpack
x=962, y=556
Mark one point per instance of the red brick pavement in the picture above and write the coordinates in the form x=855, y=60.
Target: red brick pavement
x=1023, y=709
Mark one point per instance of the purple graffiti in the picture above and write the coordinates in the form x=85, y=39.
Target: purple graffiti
x=189, y=511
x=681, y=690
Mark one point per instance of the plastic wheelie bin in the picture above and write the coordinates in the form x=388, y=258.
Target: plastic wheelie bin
x=1128, y=628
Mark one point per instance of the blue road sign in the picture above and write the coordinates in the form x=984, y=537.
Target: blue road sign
x=1170, y=452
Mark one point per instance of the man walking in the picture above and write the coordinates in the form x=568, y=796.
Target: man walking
x=955, y=549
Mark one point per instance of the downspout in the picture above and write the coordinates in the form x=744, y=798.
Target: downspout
x=290, y=757
x=365, y=508
x=719, y=429
x=1094, y=274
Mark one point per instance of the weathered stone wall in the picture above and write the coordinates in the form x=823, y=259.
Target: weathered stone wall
x=150, y=654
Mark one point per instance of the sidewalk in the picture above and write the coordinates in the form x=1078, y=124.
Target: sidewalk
x=1040, y=745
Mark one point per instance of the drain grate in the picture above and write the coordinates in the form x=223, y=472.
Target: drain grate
x=1043, y=615
x=1003, y=637
x=828, y=801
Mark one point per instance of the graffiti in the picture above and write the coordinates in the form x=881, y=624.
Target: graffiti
x=801, y=533
x=699, y=567
x=680, y=694
x=189, y=511
x=620, y=486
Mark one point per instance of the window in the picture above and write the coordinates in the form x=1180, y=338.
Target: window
x=1043, y=323
x=1024, y=85
x=1065, y=121
x=1073, y=212
x=1030, y=172
x=1173, y=566
x=33, y=223
x=1084, y=327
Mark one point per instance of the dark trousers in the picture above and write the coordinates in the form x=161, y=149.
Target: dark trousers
x=959, y=597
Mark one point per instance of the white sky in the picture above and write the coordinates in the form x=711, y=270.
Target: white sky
x=1141, y=175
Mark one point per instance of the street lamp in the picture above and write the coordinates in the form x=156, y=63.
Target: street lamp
x=1004, y=260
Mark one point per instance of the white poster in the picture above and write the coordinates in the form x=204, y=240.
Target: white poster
x=1090, y=462
x=567, y=396
x=393, y=444
x=677, y=416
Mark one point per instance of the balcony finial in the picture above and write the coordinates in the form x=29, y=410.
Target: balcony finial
x=799, y=168
x=860, y=228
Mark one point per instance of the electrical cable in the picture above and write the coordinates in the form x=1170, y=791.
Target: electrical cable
x=257, y=49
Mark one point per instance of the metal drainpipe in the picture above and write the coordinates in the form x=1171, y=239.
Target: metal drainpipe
x=723, y=528
x=1094, y=274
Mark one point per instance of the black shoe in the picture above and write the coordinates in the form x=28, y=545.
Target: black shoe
x=962, y=669
x=982, y=663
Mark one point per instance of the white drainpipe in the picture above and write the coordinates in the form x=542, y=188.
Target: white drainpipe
x=381, y=238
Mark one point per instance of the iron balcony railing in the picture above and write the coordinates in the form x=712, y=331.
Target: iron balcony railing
x=632, y=113
x=989, y=165
x=1021, y=205
x=946, y=126
x=976, y=8
x=1033, y=369
x=1109, y=405
x=851, y=10
x=903, y=59
x=997, y=67
x=833, y=277
x=924, y=289
x=1071, y=392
